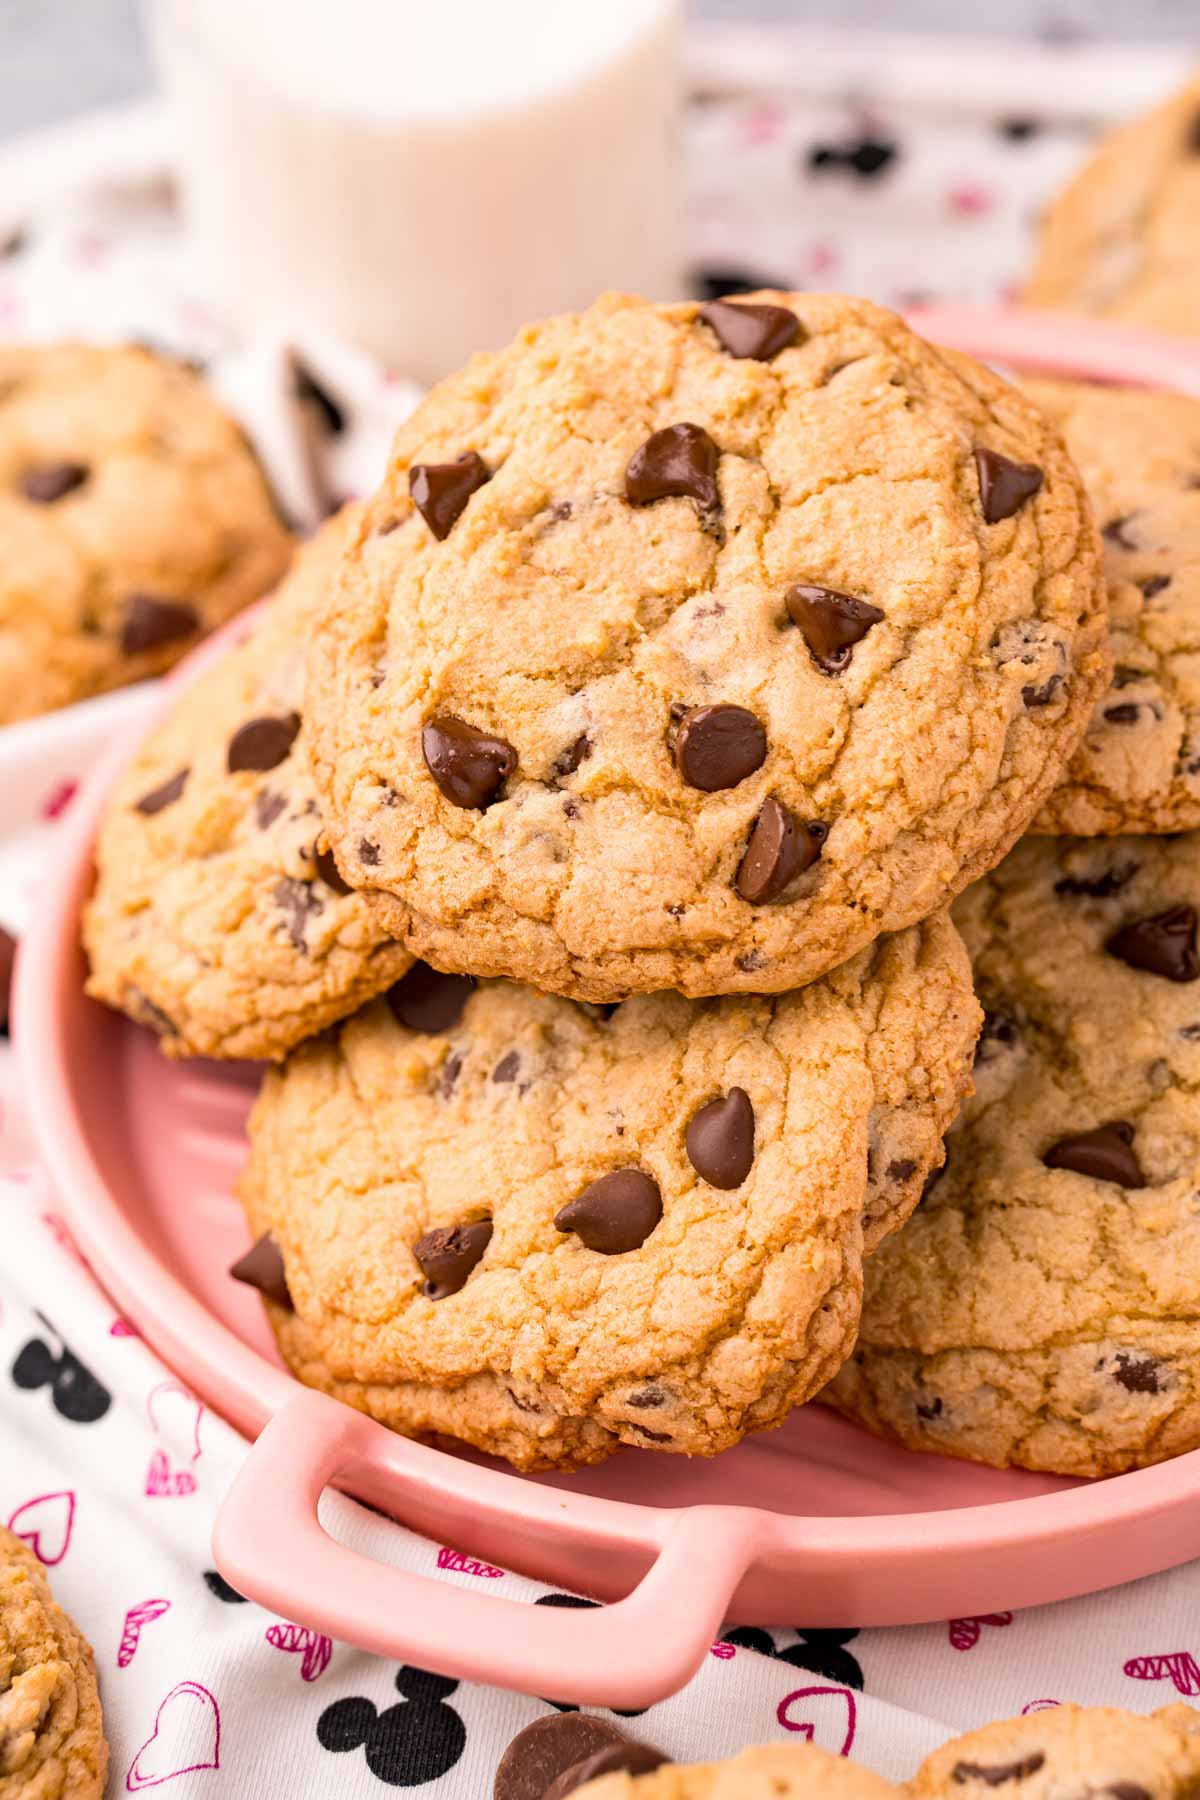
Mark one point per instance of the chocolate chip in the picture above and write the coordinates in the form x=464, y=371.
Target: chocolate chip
x=150, y=622
x=997, y=1034
x=368, y=853
x=1139, y=1374
x=1099, y=887
x=48, y=482
x=262, y=744
x=8, y=953
x=147, y=1013
x=678, y=461
x=903, y=1169
x=830, y=623
x=469, y=766
x=440, y=491
x=159, y=798
x=268, y=804
x=1164, y=944
x=298, y=903
x=614, y=1214
x=1151, y=585
x=756, y=331
x=427, y=1000
x=546, y=1749
x=780, y=848
x=720, y=1140
x=1114, y=532
x=718, y=746
x=447, y=1255
x=630, y=1759
x=262, y=1268
x=451, y=1069
x=929, y=1409
x=569, y=759
x=1107, y=1154
x=1122, y=1790
x=329, y=872
x=997, y=1774
x=1125, y=713
x=655, y=1437
x=506, y=1069
x=1004, y=486
x=1043, y=694
x=647, y=1397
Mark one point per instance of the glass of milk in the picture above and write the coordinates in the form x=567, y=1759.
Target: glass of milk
x=422, y=177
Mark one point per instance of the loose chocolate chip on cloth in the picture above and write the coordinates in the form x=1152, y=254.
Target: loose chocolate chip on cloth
x=543, y=1751
x=219, y=917
x=755, y=643
x=1040, y=1306
x=549, y=1229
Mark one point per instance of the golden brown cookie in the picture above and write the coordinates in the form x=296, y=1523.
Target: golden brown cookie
x=695, y=648
x=133, y=519
x=1069, y=1750
x=769, y=1772
x=52, y=1744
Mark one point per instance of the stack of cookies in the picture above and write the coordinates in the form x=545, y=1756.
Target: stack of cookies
x=576, y=830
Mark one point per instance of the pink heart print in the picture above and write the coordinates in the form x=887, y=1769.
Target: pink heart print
x=1179, y=1666
x=144, y=1613
x=825, y=1716
x=313, y=1648
x=45, y=1524
x=164, y=1482
x=965, y=1633
x=186, y=1739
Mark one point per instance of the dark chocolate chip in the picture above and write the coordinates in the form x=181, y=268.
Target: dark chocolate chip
x=1124, y=713
x=1164, y=944
x=632, y=1759
x=680, y=461
x=1098, y=887
x=297, y=901
x=159, y=798
x=1122, y=1790
x=718, y=746
x=831, y=623
x=1151, y=585
x=268, y=804
x=655, y=1437
x=447, y=1255
x=1139, y=1374
x=1114, y=532
x=48, y=482
x=755, y=330
x=998, y=1774
x=1107, y=1154
x=546, y=1749
x=997, y=1034
x=469, y=766
x=506, y=1069
x=451, y=1069
x=262, y=1268
x=262, y=744
x=651, y=1396
x=1034, y=696
x=929, y=1409
x=427, y=1000
x=8, y=953
x=368, y=853
x=780, y=848
x=569, y=759
x=614, y=1214
x=329, y=872
x=903, y=1169
x=149, y=622
x=1004, y=486
x=440, y=491
x=720, y=1140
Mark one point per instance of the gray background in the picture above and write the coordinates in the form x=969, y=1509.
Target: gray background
x=59, y=57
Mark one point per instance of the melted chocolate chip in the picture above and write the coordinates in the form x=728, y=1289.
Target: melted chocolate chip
x=1106, y=1154
x=929, y=1409
x=159, y=798
x=329, y=872
x=508, y=1066
x=756, y=331
x=262, y=1268
x=648, y=1397
x=1114, y=532
x=1139, y=1374
x=678, y=462
x=903, y=1169
x=631, y=1759
x=262, y=744
x=1151, y=585
x=1124, y=713
x=149, y=622
x=427, y=1000
x=451, y=1069
x=569, y=759
x=268, y=804
x=1164, y=944
x=469, y=766
x=368, y=853
x=1098, y=887
x=546, y=1749
x=614, y=1214
x=998, y=1774
x=298, y=903
x=1004, y=486
x=998, y=1033
x=1035, y=696
x=780, y=848
x=447, y=1255
x=830, y=623
x=440, y=491
x=48, y=482
x=720, y=1140
x=718, y=746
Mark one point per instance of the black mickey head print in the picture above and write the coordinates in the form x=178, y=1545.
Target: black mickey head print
x=218, y=1586
x=564, y=1706
x=820, y=1653
x=74, y=1390
x=866, y=157
x=406, y=1745
x=719, y=283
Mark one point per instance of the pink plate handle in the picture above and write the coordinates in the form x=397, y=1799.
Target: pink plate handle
x=269, y=1543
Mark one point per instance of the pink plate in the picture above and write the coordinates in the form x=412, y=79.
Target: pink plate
x=818, y=1522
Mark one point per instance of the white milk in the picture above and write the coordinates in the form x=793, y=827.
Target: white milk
x=422, y=176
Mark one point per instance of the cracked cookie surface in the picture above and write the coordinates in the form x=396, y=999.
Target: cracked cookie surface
x=134, y=518
x=654, y=665
x=219, y=918
x=1040, y=1307
x=1138, y=767
x=1070, y=1750
x=514, y=1220
x=52, y=1744
x=1123, y=239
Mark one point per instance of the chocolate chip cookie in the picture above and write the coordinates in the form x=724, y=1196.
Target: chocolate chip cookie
x=1060, y=1750
x=1138, y=768
x=133, y=519
x=1040, y=1307
x=52, y=1744
x=219, y=918
x=1123, y=239
x=549, y=1229
x=769, y=1772
x=694, y=647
